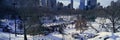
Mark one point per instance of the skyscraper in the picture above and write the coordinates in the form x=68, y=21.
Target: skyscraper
x=91, y=4
x=82, y=4
x=51, y=3
x=71, y=4
x=43, y=3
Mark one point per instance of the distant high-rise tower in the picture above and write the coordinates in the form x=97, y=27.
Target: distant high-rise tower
x=71, y=4
x=82, y=4
x=51, y=3
x=91, y=4
x=48, y=3
x=44, y=3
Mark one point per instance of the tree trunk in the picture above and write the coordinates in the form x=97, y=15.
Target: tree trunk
x=15, y=28
x=25, y=36
x=113, y=24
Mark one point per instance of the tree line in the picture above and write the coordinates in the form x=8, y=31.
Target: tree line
x=31, y=16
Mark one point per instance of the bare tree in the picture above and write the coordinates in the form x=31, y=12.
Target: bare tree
x=112, y=13
x=81, y=23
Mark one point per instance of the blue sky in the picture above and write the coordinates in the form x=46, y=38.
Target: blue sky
x=76, y=2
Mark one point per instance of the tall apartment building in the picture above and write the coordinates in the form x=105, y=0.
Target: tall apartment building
x=87, y=4
x=71, y=4
x=43, y=3
x=48, y=3
x=91, y=4
x=52, y=3
x=82, y=4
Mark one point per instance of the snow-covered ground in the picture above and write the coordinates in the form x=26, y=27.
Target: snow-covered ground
x=69, y=31
x=51, y=36
x=57, y=36
x=9, y=36
x=107, y=36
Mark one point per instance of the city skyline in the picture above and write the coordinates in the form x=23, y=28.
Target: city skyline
x=104, y=3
